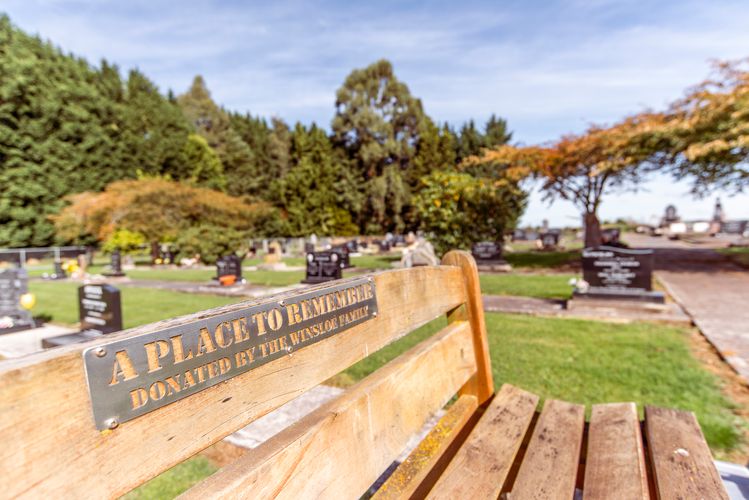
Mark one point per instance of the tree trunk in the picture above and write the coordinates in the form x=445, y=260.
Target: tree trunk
x=592, y=230
x=155, y=251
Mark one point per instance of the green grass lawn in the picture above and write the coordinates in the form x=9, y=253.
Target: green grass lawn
x=542, y=260
x=591, y=362
x=544, y=286
x=58, y=302
x=174, y=481
x=739, y=255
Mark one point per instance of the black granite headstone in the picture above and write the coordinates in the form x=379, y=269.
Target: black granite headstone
x=383, y=245
x=619, y=273
x=323, y=266
x=343, y=255
x=115, y=264
x=13, y=284
x=487, y=251
x=100, y=308
x=229, y=265
x=99, y=311
x=59, y=273
x=309, y=247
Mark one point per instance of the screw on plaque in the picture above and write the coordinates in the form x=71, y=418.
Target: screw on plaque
x=112, y=423
x=374, y=314
x=282, y=303
x=100, y=352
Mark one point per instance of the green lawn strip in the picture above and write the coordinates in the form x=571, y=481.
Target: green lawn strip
x=375, y=261
x=739, y=255
x=58, y=301
x=544, y=286
x=590, y=362
x=174, y=481
x=273, y=278
x=196, y=275
x=540, y=260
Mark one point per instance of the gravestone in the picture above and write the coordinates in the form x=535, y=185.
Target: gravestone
x=99, y=311
x=323, y=266
x=14, y=283
x=734, y=227
x=115, y=265
x=309, y=248
x=274, y=253
x=59, y=273
x=343, y=255
x=519, y=235
x=383, y=245
x=611, y=236
x=229, y=265
x=487, y=252
x=549, y=240
x=618, y=273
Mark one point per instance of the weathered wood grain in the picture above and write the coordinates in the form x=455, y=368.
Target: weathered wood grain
x=680, y=458
x=482, y=385
x=480, y=467
x=410, y=476
x=50, y=444
x=615, y=463
x=549, y=467
x=339, y=450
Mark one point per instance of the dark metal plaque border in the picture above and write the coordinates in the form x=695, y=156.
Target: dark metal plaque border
x=114, y=404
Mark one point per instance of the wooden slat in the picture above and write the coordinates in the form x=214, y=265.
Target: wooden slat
x=413, y=476
x=482, y=385
x=480, y=467
x=680, y=458
x=549, y=468
x=50, y=444
x=615, y=463
x=339, y=450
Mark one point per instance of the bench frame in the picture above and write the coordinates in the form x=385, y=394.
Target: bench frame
x=484, y=445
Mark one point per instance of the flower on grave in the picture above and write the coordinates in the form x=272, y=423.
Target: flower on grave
x=582, y=286
x=6, y=322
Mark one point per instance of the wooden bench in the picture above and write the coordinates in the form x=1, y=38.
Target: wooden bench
x=485, y=444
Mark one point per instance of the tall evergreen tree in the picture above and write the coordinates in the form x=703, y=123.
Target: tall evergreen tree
x=377, y=123
x=313, y=191
x=214, y=124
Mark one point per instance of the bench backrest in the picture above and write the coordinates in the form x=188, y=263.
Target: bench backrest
x=239, y=370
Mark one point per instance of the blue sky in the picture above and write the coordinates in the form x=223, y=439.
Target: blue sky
x=548, y=67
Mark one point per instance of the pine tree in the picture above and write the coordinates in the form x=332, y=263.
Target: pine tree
x=495, y=133
x=214, y=124
x=312, y=191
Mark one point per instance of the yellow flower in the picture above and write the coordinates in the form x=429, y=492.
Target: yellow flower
x=437, y=203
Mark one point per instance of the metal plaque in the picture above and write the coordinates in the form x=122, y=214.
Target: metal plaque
x=130, y=377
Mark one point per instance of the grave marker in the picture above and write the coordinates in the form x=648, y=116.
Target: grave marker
x=549, y=240
x=323, y=266
x=115, y=265
x=14, y=283
x=487, y=252
x=229, y=265
x=99, y=311
x=619, y=273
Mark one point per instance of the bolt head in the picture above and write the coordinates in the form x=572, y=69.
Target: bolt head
x=100, y=352
x=112, y=423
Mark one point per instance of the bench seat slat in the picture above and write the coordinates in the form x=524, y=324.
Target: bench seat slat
x=480, y=467
x=429, y=458
x=344, y=446
x=682, y=464
x=550, y=464
x=615, y=463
